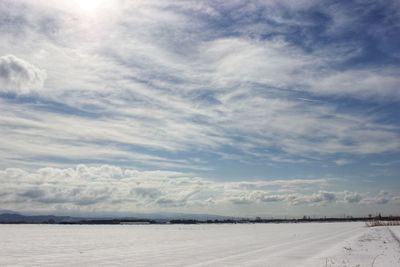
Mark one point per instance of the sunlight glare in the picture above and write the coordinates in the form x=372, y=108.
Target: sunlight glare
x=89, y=6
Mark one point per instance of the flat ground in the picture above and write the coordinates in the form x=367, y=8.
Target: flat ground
x=308, y=244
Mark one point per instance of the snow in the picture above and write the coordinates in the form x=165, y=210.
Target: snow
x=377, y=246
x=308, y=244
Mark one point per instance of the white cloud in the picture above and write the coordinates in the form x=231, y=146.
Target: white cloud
x=19, y=76
x=352, y=197
x=342, y=162
x=364, y=84
x=382, y=198
x=319, y=197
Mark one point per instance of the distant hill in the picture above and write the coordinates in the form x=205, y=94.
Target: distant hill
x=7, y=216
x=19, y=218
x=8, y=211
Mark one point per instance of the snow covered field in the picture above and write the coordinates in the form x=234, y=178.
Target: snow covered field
x=309, y=244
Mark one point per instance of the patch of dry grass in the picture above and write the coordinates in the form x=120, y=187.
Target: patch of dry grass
x=374, y=223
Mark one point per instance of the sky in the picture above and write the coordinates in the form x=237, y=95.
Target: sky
x=238, y=108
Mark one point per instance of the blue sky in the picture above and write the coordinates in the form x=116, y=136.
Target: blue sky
x=245, y=108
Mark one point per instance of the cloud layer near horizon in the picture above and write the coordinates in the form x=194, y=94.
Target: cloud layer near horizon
x=112, y=189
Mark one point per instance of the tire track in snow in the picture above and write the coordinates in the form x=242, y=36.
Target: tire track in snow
x=277, y=251
x=395, y=237
x=378, y=247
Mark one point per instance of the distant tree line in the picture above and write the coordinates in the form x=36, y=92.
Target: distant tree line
x=305, y=219
x=18, y=219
